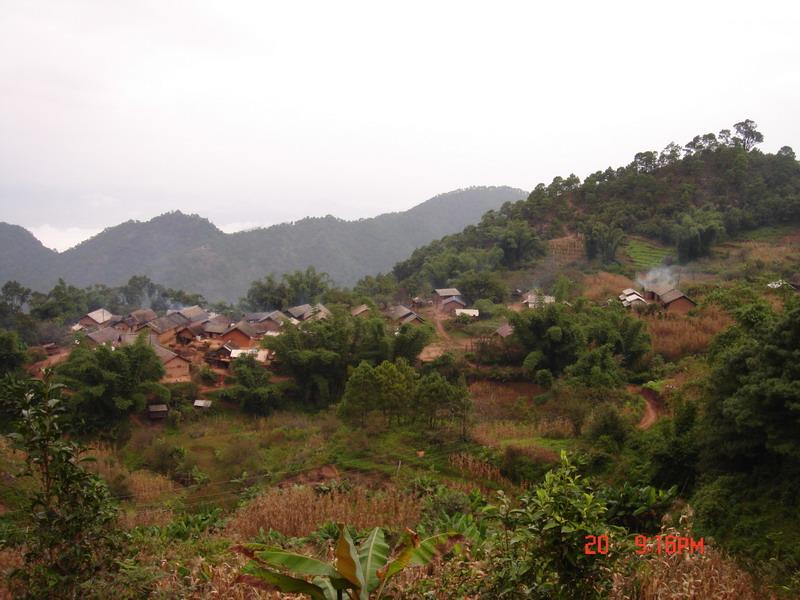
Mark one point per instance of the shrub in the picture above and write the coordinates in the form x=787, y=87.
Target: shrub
x=606, y=421
x=544, y=378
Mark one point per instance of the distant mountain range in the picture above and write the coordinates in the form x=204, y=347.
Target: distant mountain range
x=188, y=252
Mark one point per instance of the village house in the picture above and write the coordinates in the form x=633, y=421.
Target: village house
x=241, y=334
x=189, y=333
x=473, y=313
x=670, y=299
x=106, y=336
x=193, y=314
x=631, y=298
x=136, y=320
x=261, y=355
x=442, y=294
x=306, y=312
x=262, y=322
x=536, y=300
x=677, y=302
x=157, y=411
x=402, y=314
x=362, y=310
x=216, y=326
x=166, y=327
x=451, y=304
x=97, y=318
x=176, y=366
x=504, y=331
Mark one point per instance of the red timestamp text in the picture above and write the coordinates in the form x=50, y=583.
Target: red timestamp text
x=668, y=544
x=657, y=544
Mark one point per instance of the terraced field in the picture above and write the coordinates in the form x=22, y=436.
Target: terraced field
x=645, y=255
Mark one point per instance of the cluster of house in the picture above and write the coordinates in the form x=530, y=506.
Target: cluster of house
x=193, y=335
x=668, y=298
x=448, y=301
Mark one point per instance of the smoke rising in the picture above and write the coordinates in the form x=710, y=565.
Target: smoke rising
x=658, y=277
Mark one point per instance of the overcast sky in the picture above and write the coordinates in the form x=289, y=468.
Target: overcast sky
x=254, y=113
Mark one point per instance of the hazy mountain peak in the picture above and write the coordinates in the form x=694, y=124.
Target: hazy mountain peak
x=189, y=252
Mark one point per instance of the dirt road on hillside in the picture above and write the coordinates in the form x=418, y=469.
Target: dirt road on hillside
x=443, y=342
x=653, y=408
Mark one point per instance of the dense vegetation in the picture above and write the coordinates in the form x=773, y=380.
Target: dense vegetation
x=489, y=460
x=689, y=197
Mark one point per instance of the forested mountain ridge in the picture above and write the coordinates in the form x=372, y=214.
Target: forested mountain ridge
x=189, y=252
x=689, y=197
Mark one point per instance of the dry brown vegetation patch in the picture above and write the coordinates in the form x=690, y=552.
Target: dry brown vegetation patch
x=675, y=336
x=493, y=400
x=475, y=468
x=299, y=510
x=684, y=575
x=602, y=286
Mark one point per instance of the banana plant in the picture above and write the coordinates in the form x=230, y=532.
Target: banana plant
x=357, y=573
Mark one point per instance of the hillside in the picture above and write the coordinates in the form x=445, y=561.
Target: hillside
x=665, y=432
x=690, y=198
x=189, y=252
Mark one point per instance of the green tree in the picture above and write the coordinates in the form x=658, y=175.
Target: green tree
x=71, y=535
x=696, y=232
x=12, y=352
x=752, y=412
x=306, y=286
x=553, y=332
x=749, y=136
x=602, y=241
x=517, y=240
x=252, y=388
x=361, y=394
x=562, y=288
x=266, y=294
x=596, y=368
x=63, y=303
x=410, y=340
x=538, y=551
x=397, y=382
x=108, y=384
x=481, y=285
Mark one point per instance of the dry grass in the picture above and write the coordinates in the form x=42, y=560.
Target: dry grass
x=493, y=433
x=141, y=485
x=492, y=400
x=10, y=559
x=216, y=581
x=687, y=576
x=602, y=286
x=475, y=468
x=299, y=510
x=146, y=517
x=146, y=486
x=768, y=253
x=675, y=336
